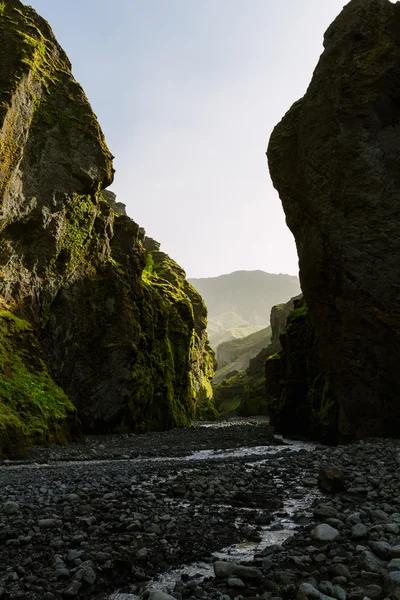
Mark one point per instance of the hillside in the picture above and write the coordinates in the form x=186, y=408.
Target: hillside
x=236, y=354
x=242, y=300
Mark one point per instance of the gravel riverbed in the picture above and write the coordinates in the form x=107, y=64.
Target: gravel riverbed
x=208, y=512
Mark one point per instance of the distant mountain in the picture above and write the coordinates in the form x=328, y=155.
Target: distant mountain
x=236, y=354
x=240, y=303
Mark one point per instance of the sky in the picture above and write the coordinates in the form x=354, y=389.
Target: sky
x=187, y=93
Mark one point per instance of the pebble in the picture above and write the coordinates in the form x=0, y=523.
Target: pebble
x=82, y=530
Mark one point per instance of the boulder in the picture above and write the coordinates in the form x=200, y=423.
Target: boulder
x=324, y=533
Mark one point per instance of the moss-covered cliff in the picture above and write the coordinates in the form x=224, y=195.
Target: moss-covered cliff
x=299, y=395
x=117, y=326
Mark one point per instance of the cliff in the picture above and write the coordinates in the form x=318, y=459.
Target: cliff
x=298, y=388
x=334, y=160
x=127, y=346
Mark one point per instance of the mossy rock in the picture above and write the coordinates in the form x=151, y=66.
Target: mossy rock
x=300, y=398
x=33, y=409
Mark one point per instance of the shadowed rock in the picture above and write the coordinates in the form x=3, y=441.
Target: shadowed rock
x=117, y=325
x=334, y=160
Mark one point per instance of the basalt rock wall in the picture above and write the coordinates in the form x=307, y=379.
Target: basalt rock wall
x=127, y=347
x=334, y=160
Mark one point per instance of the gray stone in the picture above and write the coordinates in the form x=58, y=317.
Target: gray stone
x=381, y=549
x=359, y=531
x=235, y=582
x=10, y=508
x=158, y=595
x=394, y=564
x=306, y=591
x=48, y=523
x=72, y=590
x=369, y=562
x=324, y=533
x=373, y=591
x=223, y=569
x=392, y=582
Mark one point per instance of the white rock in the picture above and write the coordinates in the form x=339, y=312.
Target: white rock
x=324, y=533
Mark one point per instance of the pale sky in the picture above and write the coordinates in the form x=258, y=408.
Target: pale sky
x=187, y=93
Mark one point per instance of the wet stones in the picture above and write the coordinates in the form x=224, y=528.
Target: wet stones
x=330, y=479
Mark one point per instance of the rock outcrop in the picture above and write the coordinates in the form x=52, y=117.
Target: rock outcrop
x=126, y=342
x=334, y=160
x=245, y=391
x=299, y=394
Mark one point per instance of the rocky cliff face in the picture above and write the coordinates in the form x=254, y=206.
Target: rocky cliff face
x=245, y=391
x=128, y=348
x=298, y=388
x=334, y=160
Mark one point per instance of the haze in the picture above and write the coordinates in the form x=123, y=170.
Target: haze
x=187, y=94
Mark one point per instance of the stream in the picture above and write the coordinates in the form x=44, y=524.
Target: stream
x=284, y=525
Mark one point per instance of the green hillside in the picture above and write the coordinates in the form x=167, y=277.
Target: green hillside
x=240, y=303
x=236, y=354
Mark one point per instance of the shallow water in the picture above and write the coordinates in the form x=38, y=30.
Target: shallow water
x=243, y=551
x=198, y=455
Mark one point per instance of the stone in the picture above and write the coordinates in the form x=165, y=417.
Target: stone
x=330, y=479
x=235, y=582
x=72, y=590
x=324, y=533
x=10, y=508
x=359, y=531
x=369, y=562
x=333, y=159
x=223, y=569
x=392, y=582
x=158, y=595
x=373, y=591
x=335, y=591
x=48, y=523
x=381, y=549
x=306, y=591
x=394, y=564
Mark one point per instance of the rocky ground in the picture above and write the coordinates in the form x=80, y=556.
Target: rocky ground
x=114, y=513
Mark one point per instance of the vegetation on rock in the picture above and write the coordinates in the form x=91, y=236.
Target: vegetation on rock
x=299, y=395
x=235, y=355
x=117, y=325
x=244, y=392
x=33, y=409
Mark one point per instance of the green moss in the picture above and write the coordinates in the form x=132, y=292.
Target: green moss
x=300, y=397
x=2, y=8
x=33, y=409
